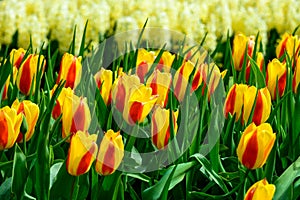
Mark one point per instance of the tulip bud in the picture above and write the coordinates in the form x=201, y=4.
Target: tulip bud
x=144, y=61
x=70, y=70
x=27, y=72
x=160, y=83
x=181, y=79
x=165, y=62
x=160, y=126
x=16, y=57
x=259, y=62
x=260, y=190
x=4, y=94
x=76, y=115
x=276, y=72
x=235, y=100
x=262, y=108
x=30, y=112
x=255, y=145
x=296, y=77
x=240, y=43
x=111, y=153
x=10, y=123
x=103, y=79
x=82, y=153
x=65, y=92
x=289, y=44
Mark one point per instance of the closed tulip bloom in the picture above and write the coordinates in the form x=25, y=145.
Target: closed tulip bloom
x=235, y=100
x=276, y=72
x=165, y=62
x=259, y=62
x=31, y=113
x=4, y=94
x=255, y=145
x=160, y=83
x=296, y=77
x=76, y=115
x=10, y=123
x=289, y=44
x=240, y=43
x=111, y=153
x=181, y=79
x=82, y=153
x=103, y=80
x=260, y=190
x=160, y=126
x=16, y=57
x=70, y=70
x=65, y=92
x=262, y=107
x=143, y=63
x=27, y=72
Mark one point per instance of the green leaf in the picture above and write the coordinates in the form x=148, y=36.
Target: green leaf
x=110, y=186
x=259, y=77
x=20, y=173
x=5, y=189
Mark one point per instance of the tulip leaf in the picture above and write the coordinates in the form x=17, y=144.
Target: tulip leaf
x=20, y=173
x=110, y=186
x=259, y=77
x=5, y=189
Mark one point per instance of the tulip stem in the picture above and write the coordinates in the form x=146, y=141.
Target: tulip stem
x=62, y=141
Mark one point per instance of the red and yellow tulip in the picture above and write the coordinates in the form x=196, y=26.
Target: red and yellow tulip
x=111, y=153
x=10, y=123
x=289, y=44
x=65, y=92
x=255, y=145
x=82, y=153
x=143, y=63
x=276, y=72
x=296, y=77
x=160, y=126
x=31, y=113
x=165, y=62
x=160, y=83
x=103, y=80
x=259, y=62
x=16, y=57
x=76, y=115
x=260, y=190
x=70, y=70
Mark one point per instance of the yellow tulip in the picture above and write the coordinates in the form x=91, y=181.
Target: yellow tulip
x=103, y=80
x=65, y=92
x=16, y=57
x=296, y=77
x=289, y=44
x=165, y=62
x=260, y=190
x=143, y=63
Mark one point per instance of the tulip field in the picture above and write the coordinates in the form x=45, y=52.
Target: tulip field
x=137, y=119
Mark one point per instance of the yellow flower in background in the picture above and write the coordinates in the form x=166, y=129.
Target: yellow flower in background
x=27, y=73
x=16, y=57
x=82, y=153
x=160, y=83
x=276, y=72
x=76, y=115
x=111, y=153
x=255, y=145
x=31, y=113
x=70, y=70
x=289, y=44
x=160, y=126
x=260, y=190
x=262, y=107
x=235, y=100
x=65, y=93
x=143, y=63
x=10, y=123
x=103, y=80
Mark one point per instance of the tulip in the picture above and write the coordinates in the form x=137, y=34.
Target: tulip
x=181, y=79
x=259, y=62
x=235, y=100
x=31, y=113
x=255, y=145
x=27, y=72
x=16, y=57
x=165, y=62
x=296, y=77
x=111, y=153
x=70, y=70
x=82, y=153
x=10, y=123
x=144, y=61
x=160, y=83
x=289, y=44
x=4, y=94
x=103, y=79
x=262, y=107
x=76, y=115
x=240, y=43
x=65, y=92
x=260, y=190
x=160, y=126
x=276, y=72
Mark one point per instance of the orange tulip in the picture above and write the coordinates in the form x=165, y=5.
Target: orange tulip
x=103, y=79
x=10, y=123
x=111, y=153
x=70, y=70
x=82, y=153
x=255, y=145
x=260, y=190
